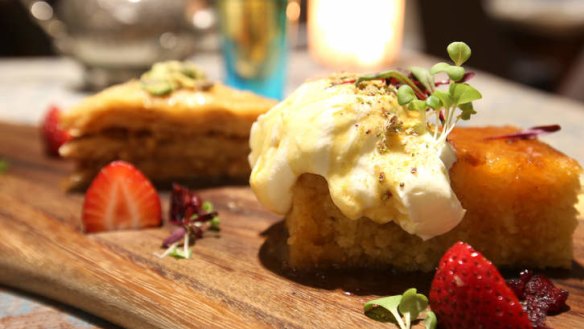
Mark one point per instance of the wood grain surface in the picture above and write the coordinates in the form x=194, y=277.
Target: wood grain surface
x=235, y=279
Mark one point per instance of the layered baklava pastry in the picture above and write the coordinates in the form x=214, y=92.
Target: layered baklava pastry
x=364, y=180
x=172, y=124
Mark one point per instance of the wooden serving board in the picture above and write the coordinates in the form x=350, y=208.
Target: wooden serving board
x=234, y=280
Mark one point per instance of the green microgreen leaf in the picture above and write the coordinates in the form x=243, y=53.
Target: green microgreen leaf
x=459, y=52
x=179, y=252
x=430, y=322
x=208, y=206
x=455, y=73
x=433, y=102
x=214, y=224
x=384, y=309
x=405, y=94
x=439, y=67
x=3, y=166
x=391, y=309
x=424, y=76
x=417, y=105
x=462, y=93
x=467, y=110
x=411, y=305
x=444, y=98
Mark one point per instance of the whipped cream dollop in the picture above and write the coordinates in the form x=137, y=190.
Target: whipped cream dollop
x=380, y=160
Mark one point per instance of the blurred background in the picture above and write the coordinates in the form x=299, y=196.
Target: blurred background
x=538, y=43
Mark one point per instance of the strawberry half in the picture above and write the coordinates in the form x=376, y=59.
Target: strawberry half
x=119, y=198
x=469, y=292
x=53, y=135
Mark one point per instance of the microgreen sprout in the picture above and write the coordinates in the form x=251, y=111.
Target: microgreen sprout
x=402, y=310
x=193, y=217
x=419, y=91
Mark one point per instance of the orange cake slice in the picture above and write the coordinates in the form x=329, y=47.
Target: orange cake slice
x=172, y=124
x=519, y=198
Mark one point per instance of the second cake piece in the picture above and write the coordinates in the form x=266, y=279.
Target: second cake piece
x=172, y=124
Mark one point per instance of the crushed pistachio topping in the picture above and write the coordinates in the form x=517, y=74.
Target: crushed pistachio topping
x=166, y=77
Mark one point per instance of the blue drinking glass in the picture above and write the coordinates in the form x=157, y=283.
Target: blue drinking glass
x=255, y=48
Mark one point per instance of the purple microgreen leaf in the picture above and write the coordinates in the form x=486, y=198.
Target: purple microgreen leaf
x=528, y=133
x=424, y=77
x=203, y=217
x=441, y=117
x=183, y=203
x=174, y=237
x=467, y=76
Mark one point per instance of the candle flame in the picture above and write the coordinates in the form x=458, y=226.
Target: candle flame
x=364, y=34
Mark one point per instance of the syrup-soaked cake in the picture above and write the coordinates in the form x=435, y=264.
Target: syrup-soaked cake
x=519, y=198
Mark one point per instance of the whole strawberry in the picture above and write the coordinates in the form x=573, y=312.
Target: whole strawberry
x=468, y=292
x=53, y=135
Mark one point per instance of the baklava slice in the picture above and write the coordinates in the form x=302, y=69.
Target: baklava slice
x=172, y=124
